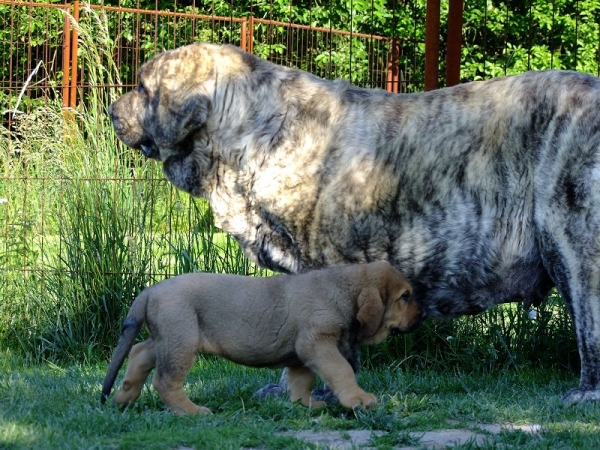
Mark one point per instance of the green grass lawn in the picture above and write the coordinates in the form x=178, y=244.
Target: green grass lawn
x=46, y=406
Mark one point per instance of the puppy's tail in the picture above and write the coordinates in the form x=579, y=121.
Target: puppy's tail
x=131, y=328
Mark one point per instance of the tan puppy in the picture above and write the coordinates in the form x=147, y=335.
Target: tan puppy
x=310, y=323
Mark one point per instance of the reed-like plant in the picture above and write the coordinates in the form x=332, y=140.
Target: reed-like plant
x=90, y=222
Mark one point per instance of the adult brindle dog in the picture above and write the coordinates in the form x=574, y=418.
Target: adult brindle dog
x=483, y=193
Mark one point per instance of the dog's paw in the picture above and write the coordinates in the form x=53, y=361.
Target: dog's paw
x=363, y=400
x=271, y=390
x=580, y=396
x=189, y=409
x=204, y=410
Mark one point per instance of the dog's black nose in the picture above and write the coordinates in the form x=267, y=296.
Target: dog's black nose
x=149, y=150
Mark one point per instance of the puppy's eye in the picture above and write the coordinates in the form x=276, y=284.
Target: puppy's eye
x=405, y=297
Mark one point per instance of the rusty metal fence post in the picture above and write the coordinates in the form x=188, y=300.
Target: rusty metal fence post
x=244, y=35
x=432, y=44
x=393, y=67
x=74, y=48
x=66, y=48
x=250, y=42
x=454, y=42
x=69, y=63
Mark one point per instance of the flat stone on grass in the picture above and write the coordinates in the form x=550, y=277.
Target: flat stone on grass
x=437, y=439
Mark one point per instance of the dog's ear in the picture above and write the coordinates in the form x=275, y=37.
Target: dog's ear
x=179, y=116
x=370, y=311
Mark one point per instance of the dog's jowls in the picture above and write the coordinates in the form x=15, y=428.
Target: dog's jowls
x=482, y=193
x=310, y=323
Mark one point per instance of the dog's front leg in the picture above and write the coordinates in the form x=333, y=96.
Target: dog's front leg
x=324, y=394
x=325, y=360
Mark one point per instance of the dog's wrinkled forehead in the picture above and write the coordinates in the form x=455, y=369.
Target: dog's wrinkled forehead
x=396, y=281
x=176, y=68
x=185, y=67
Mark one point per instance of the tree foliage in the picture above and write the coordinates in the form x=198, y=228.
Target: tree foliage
x=508, y=37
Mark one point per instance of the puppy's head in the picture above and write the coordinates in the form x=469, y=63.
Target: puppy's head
x=386, y=305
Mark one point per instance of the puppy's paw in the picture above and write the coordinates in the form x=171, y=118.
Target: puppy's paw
x=271, y=390
x=127, y=395
x=362, y=400
x=204, y=410
x=189, y=409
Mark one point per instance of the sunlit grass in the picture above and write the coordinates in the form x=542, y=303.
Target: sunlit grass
x=47, y=406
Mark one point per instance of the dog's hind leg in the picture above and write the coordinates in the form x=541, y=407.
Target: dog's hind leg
x=172, y=367
x=142, y=359
x=300, y=381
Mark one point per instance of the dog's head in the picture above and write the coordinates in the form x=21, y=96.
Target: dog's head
x=172, y=102
x=386, y=305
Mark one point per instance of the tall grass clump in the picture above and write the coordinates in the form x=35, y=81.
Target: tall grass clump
x=89, y=222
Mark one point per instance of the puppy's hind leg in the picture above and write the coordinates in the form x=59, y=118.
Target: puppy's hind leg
x=171, y=369
x=142, y=360
x=300, y=381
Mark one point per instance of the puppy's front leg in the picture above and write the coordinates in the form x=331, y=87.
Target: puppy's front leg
x=326, y=361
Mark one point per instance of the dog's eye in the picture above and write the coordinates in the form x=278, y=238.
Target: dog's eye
x=141, y=88
x=405, y=297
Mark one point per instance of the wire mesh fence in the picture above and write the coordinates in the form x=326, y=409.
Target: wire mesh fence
x=50, y=33
x=83, y=55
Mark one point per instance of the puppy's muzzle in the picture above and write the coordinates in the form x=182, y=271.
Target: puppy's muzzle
x=396, y=331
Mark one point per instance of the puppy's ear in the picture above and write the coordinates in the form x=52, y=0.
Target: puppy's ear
x=370, y=311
